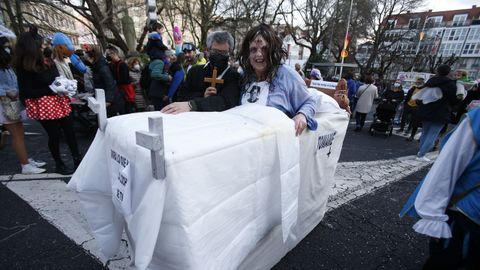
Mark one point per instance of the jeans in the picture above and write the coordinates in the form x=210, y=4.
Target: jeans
x=430, y=131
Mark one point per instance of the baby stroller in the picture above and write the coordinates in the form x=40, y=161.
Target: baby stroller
x=85, y=120
x=383, y=118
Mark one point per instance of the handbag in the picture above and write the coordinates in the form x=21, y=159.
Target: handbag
x=12, y=109
x=128, y=89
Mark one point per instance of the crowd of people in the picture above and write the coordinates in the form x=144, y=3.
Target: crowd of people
x=175, y=82
x=39, y=72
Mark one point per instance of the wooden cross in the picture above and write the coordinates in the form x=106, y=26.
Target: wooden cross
x=213, y=80
x=153, y=141
x=98, y=106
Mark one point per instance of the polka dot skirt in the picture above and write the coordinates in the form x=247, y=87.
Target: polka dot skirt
x=48, y=107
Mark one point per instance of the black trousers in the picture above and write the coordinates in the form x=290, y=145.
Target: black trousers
x=462, y=251
x=360, y=119
x=53, y=129
x=159, y=102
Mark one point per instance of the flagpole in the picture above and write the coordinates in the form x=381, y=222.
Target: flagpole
x=420, y=38
x=346, y=36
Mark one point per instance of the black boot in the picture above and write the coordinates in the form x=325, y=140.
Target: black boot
x=61, y=168
x=76, y=161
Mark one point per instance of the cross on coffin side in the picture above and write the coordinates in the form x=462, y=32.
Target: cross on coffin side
x=153, y=140
x=213, y=80
x=98, y=106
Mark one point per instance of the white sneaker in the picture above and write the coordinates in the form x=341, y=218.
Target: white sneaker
x=424, y=158
x=30, y=169
x=37, y=164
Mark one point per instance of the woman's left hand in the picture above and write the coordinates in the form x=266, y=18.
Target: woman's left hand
x=300, y=123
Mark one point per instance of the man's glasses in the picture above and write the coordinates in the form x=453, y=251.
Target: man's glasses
x=220, y=52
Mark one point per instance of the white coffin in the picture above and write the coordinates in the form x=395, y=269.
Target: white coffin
x=240, y=189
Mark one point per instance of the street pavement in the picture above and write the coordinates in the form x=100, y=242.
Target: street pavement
x=45, y=229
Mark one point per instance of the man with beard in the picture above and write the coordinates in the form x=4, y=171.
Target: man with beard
x=196, y=94
x=189, y=50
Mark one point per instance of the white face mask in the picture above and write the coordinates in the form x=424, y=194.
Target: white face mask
x=136, y=67
x=396, y=85
x=7, y=50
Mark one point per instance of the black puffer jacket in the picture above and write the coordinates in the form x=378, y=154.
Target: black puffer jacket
x=440, y=111
x=103, y=79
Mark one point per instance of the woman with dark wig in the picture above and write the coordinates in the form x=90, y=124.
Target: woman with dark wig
x=52, y=111
x=267, y=81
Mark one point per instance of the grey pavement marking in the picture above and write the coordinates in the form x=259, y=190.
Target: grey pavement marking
x=33, y=133
x=25, y=177
x=61, y=207
x=401, y=134
x=356, y=179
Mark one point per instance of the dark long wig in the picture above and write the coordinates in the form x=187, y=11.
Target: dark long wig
x=28, y=52
x=276, y=53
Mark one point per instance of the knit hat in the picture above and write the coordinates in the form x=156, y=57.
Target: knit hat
x=5, y=32
x=316, y=74
x=62, y=39
x=155, y=36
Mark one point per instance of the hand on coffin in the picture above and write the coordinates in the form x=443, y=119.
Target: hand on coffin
x=343, y=102
x=300, y=123
x=210, y=91
x=307, y=82
x=176, y=108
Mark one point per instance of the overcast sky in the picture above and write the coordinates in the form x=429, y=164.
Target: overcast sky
x=441, y=5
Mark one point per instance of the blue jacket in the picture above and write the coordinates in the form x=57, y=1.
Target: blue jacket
x=470, y=204
x=8, y=81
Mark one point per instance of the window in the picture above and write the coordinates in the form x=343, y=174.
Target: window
x=435, y=21
x=413, y=23
x=450, y=48
x=476, y=62
x=471, y=48
x=474, y=34
x=459, y=19
x=391, y=24
x=456, y=34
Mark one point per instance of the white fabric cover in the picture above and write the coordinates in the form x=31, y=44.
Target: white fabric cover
x=241, y=190
x=428, y=95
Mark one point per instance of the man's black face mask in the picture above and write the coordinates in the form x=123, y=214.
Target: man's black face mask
x=220, y=61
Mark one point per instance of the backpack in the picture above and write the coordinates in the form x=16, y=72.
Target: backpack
x=145, y=77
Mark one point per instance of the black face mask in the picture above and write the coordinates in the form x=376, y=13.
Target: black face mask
x=219, y=61
x=109, y=58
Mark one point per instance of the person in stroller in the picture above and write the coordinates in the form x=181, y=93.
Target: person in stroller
x=383, y=117
x=396, y=97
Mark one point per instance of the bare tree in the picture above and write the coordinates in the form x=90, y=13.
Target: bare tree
x=383, y=45
x=316, y=17
x=13, y=9
x=200, y=16
x=102, y=16
x=240, y=15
